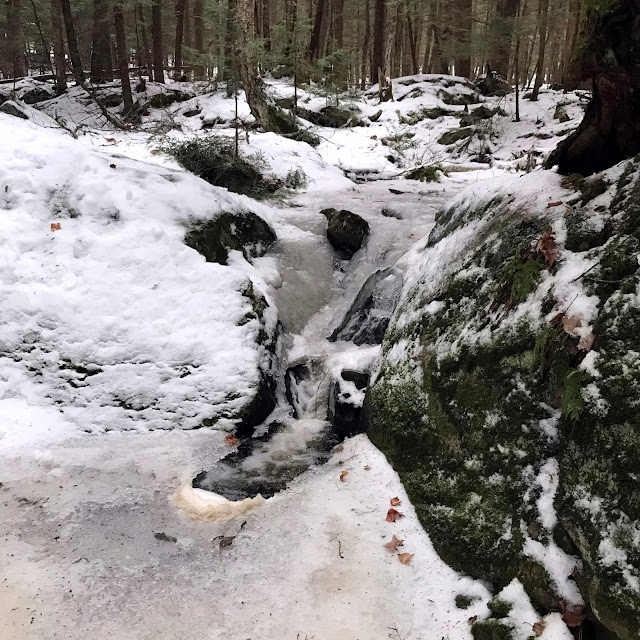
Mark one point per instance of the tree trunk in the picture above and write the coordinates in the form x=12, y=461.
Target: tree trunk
x=413, y=45
x=571, y=38
x=463, y=20
x=58, y=47
x=502, y=36
x=180, y=7
x=142, y=26
x=15, y=37
x=610, y=129
x=72, y=41
x=198, y=35
x=123, y=56
x=266, y=23
x=544, y=24
x=378, y=60
x=338, y=23
x=315, y=46
x=156, y=38
x=230, y=47
x=365, y=45
x=101, y=65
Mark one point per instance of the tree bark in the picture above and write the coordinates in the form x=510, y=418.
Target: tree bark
x=315, y=45
x=463, y=20
x=502, y=36
x=575, y=7
x=379, y=20
x=142, y=25
x=544, y=25
x=72, y=41
x=610, y=129
x=101, y=65
x=365, y=45
x=266, y=23
x=180, y=7
x=123, y=56
x=230, y=47
x=156, y=37
x=58, y=47
x=198, y=35
x=15, y=37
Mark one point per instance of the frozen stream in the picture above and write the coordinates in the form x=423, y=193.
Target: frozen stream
x=95, y=548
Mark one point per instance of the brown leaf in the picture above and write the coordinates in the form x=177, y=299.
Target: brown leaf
x=600, y=209
x=572, y=614
x=405, y=558
x=113, y=166
x=338, y=449
x=554, y=204
x=538, y=628
x=367, y=467
x=393, y=544
x=557, y=319
x=395, y=502
x=154, y=151
x=586, y=342
x=55, y=226
x=547, y=247
x=343, y=475
x=570, y=324
x=225, y=541
x=472, y=619
x=110, y=140
x=374, y=137
x=393, y=515
x=231, y=439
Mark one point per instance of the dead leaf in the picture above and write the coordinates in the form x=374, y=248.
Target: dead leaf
x=572, y=614
x=231, y=439
x=55, y=226
x=154, y=151
x=538, y=628
x=374, y=137
x=586, y=342
x=110, y=140
x=367, y=467
x=570, y=324
x=225, y=541
x=393, y=544
x=472, y=619
x=600, y=209
x=554, y=204
x=395, y=502
x=338, y=449
x=405, y=558
x=393, y=515
x=343, y=475
x=557, y=319
x=161, y=535
x=547, y=247
x=113, y=166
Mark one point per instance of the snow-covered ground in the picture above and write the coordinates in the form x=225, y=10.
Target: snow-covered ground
x=116, y=340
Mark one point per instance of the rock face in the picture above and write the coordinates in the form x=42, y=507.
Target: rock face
x=243, y=231
x=346, y=231
x=510, y=413
x=368, y=317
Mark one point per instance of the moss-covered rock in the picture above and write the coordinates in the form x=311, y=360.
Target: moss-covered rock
x=483, y=379
x=455, y=135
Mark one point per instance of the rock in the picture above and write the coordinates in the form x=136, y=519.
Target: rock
x=241, y=231
x=464, y=420
x=37, y=94
x=561, y=114
x=479, y=114
x=346, y=232
x=167, y=98
x=368, y=317
x=345, y=403
x=391, y=213
x=286, y=102
x=332, y=116
x=190, y=113
x=455, y=135
x=491, y=84
x=112, y=100
x=376, y=116
x=12, y=108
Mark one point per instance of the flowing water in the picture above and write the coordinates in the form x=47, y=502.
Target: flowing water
x=322, y=295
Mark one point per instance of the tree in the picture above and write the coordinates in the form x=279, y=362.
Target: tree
x=15, y=38
x=101, y=65
x=544, y=21
x=610, y=129
x=464, y=21
x=377, y=62
x=180, y=11
x=156, y=39
x=502, y=35
x=123, y=56
x=58, y=47
x=315, y=46
x=198, y=35
x=72, y=41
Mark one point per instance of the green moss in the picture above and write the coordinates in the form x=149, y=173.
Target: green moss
x=491, y=630
x=425, y=173
x=455, y=135
x=464, y=601
x=499, y=608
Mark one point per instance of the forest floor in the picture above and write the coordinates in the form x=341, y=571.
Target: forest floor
x=93, y=545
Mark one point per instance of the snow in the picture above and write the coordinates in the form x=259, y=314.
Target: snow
x=117, y=341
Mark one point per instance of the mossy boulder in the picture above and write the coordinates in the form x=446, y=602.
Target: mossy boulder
x=455, y=135
x=332, y=116
x=242, y=231
x=482, y=382
x=346, y=231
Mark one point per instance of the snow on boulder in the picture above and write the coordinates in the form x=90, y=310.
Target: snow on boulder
x=105, y=313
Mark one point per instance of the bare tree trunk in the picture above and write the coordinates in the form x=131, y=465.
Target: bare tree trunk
x=123, y=57
x=180, y=7
x=575, y=8
x=315, y=46
x=377, y=62
x=156, y=37
x=544, y=20
x=365, y=45
x=46, y=47
x=58, y=47
x=101, y=66
x=338, y=23
x=15, y=37
x=230, y=48
x=413, y=49
x=502, y=36
x=292, y=29
x=198, y=35
x=72, y=41
x=463, y=19
x=142, y=26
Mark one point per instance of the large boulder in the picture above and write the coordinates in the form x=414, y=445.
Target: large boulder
x=508, y=392
x=230, y=231
x=369, y=315
x=12, y=108
x=346, y=231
